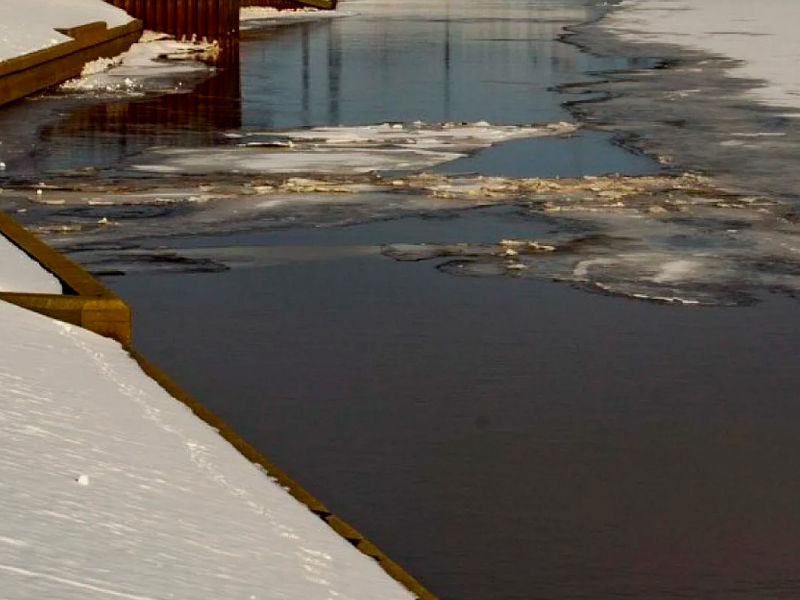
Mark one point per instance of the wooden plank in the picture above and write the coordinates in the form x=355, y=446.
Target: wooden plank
x=39, y=70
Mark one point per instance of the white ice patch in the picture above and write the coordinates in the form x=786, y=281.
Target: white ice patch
x=345, y=150
x=20, y=273
x=425, y=10
x=461, y=137
x=254, y=17
x=154, y=63
x=322, y=160
x=761, y=34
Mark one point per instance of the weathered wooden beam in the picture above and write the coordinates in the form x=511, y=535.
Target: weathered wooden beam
x=85, y=302
x=48, y=67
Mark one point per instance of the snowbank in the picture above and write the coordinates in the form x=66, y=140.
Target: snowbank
x=761, y=34
x=111, y=488
x=30, y=25
x=20, y=273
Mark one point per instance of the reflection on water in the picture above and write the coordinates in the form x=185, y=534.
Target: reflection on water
x=101, y=135
x=453, y=61
x=431, y=61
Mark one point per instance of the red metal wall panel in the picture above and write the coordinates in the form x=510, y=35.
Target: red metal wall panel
x=215, y=20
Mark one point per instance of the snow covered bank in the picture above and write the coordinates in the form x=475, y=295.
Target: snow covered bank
x=30, y=25
x=111, y=488
x=20, y=273
x=763, y=35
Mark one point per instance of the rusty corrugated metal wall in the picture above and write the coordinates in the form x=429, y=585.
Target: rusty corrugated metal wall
x=216, y=20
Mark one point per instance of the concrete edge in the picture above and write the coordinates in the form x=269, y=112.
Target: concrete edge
x=95, y=307
x=45, y=68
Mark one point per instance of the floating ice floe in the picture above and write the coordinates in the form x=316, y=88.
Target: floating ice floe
x=666, y=238
x=343, y=150
x=255, y=17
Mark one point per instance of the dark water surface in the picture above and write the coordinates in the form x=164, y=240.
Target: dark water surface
x=504, y=438
x=501, y=438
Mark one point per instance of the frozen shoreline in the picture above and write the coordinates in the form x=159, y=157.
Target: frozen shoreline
x=701, y=110
x=763, y=36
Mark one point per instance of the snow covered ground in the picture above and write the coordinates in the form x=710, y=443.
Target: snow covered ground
x=30, y=25
x=763, y=35
x=111, y=488
x=20, y=273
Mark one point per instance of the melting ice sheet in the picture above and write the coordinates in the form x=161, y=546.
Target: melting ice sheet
x=156, y=63
x=668, y=238
x=342, y=150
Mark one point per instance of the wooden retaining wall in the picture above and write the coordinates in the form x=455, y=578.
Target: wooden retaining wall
x=45, y=68
x=85, y=302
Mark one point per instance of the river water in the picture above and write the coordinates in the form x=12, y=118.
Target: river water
x=407, y=356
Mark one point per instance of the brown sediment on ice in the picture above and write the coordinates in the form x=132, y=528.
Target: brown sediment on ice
x=606, y=190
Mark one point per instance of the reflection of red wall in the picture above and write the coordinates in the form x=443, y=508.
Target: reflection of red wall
x=211, y=19
x=212, y=106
